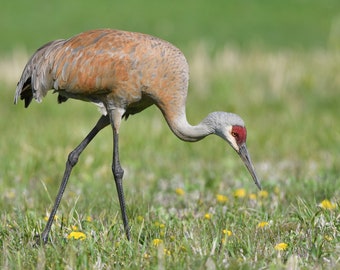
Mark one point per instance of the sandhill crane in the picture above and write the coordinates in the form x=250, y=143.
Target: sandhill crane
x=123, y=73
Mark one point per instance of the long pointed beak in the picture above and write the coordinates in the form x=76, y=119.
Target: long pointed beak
x=243, y=153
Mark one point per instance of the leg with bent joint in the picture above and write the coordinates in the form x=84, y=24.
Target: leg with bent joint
x=117, y=170
x=71, y=162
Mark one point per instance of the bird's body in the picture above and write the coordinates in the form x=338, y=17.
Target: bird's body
x=123, y=73
x=114, y=69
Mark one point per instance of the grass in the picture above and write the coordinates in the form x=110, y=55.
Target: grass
x=290, y=104
x=191, y=206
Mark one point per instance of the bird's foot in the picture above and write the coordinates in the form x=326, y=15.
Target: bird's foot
x=39, y=240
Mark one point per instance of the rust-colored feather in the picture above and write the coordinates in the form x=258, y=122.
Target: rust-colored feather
x=119, y=69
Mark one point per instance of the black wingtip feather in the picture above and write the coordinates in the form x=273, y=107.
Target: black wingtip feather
x=26, y=93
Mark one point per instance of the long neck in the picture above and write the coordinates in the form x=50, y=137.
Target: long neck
x=186, y=132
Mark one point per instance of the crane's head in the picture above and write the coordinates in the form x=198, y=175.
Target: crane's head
x=236, y=136
x=231, y=128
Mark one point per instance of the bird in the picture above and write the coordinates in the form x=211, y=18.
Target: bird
x=123, y=73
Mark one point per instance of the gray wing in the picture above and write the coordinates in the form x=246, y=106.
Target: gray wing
x=36, y=79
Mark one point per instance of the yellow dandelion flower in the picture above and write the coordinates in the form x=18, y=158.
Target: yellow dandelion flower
x=328, y=238
x=180, y=191
x=183, y=248
x=161, y=226
x=74, y=228
x=147, y=256
x=263, y=194
x=262, y=224
x=167, y=252
x=240, y=193
x=227, y=232
x=221, y=198
x=140, y=219
x=156, y=242
x=89, y=219
x=281, y=246
x=156, y=223
x=77, y=236
x=252, y=196
x=207, y=216
x=326, y=204
x=56, y=217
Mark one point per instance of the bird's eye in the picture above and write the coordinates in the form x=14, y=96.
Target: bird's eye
x=234, y=134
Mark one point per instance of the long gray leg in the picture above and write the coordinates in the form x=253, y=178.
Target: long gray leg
x=117, y=169
x=71, y=162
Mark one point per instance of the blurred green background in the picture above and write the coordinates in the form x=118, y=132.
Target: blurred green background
x=275, y=63
x=274, y=24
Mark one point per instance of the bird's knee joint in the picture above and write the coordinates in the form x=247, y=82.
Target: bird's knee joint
x=118, y=172
x=72, y=158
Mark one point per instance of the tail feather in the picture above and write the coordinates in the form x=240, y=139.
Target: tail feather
x=24, y=88
x=27, y=93
x=36, y=78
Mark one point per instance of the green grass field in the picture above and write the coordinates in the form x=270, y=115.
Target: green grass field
x=191, y=205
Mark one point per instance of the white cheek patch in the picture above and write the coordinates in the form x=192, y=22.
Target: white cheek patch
x=231, y=138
